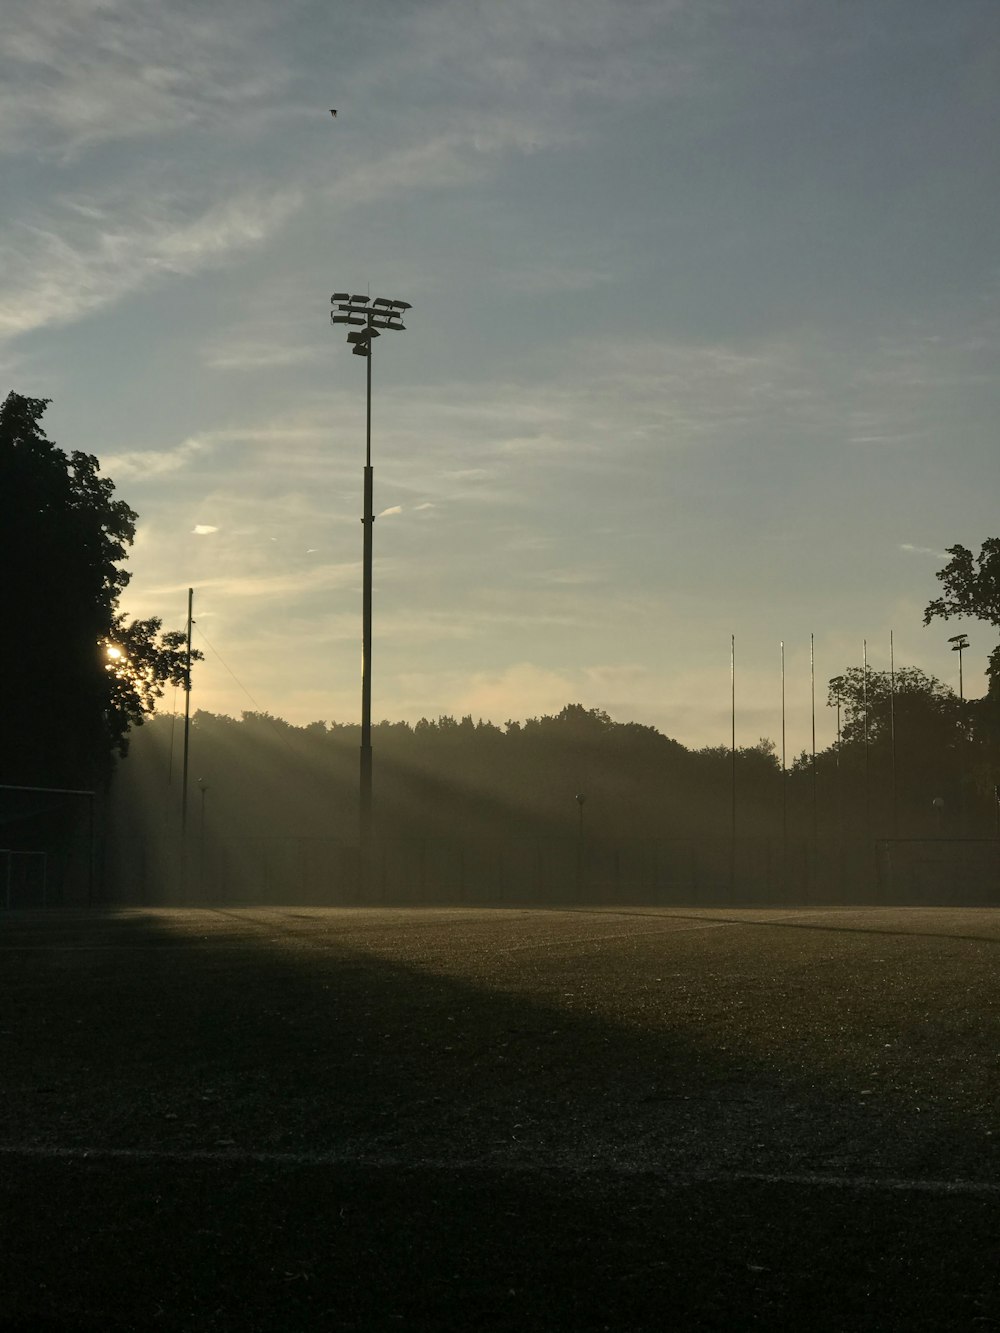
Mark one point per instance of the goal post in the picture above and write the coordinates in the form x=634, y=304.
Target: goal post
x=48, y=837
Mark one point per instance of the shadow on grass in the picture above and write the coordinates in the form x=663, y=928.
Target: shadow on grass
x=477, y=1125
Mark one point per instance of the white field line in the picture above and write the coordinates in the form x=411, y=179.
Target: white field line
x=458, y=1166
x=317, y=940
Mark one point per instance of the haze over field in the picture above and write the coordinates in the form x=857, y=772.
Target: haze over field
x=703, y=341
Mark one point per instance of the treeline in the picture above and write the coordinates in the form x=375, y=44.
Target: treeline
x=912, y=761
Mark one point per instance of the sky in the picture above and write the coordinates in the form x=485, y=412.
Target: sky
x=703, y=340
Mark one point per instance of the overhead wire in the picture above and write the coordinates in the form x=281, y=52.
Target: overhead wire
x=286, y=740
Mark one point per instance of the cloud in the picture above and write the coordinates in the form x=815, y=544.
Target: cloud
x=393, y=509
x=264, y=586
x=81, y=255
x=202, y=529
x=152, y=462
x=923, y=550
x=77, y=73
x=254, y=354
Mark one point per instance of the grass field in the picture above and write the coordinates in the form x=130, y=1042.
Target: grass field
x=614, y=1119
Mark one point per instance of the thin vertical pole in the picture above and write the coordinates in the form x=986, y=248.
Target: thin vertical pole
x=784, y=767
x=92, y=868
x=579, y=846
x=187, y=717
x=892, y=732
x=784, y=782
x=173, y=726
x=812, y=689
x=365, y=805
x=840, y=789
x=201, y=841
x=732, y=760
x=864, y=699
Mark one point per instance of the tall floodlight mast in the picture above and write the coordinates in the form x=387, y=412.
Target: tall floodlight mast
x=369, y=319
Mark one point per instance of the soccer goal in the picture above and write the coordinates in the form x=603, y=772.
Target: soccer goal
x=48, y=846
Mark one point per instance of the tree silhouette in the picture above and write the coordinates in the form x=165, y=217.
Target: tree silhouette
x=75, y=673
x=972, y=588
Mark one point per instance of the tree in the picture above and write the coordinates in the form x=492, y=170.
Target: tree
x=972, y=588
x=75, y=673
x=910, y=702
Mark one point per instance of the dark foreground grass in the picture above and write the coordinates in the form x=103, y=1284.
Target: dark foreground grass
x=512, y=1120
x=228, y=1246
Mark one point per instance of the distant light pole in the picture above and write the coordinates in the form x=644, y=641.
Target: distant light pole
x=580, y=798
x=369, y=320
x=187, y=717
x=784, y=767
x=203, y=788
x=959, y=643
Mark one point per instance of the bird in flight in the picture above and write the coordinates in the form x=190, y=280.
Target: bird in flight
x=333, y=113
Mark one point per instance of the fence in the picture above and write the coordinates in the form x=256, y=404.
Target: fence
x=25, y=881
x=960, y=871
x=554, y=872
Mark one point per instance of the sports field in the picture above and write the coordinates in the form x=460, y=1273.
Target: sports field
x=455, y=1119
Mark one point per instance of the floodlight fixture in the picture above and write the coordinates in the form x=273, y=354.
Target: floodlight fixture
x=959, y=643
x=339, y=296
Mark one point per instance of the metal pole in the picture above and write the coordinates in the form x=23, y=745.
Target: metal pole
x=201, y=840
x=892, y=733
x=187, y=717
x=92, y=867
x=840, y=791
x=864, y=697
x=365, y=807
x=579, y=845
x=784, y=773
x=812, y=688
x=381, y=315
x=732, y=761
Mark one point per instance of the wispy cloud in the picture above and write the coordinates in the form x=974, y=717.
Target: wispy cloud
x=152, y=462
x=261, y=353
x=74, y=259
x=203, y=529
x=76, y=73
x=922, y=550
